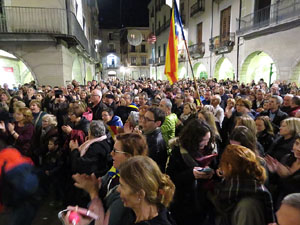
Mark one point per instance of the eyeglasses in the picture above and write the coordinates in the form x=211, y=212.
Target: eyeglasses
x=148, y=120
x=117, y=151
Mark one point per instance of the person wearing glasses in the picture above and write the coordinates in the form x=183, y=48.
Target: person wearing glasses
x=105, y=199
x=151, y=123
x=97, y=105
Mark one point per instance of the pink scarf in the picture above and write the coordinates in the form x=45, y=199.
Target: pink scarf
x=84, y=147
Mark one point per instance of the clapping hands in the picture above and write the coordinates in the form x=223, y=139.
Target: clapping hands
x=275, y=166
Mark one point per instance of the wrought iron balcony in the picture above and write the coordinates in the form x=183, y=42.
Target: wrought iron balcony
x=111, y=50
x=197, y=50
x=274, y=18
x=58, y=23
x=199, y=6
x=151, y=61
x=222, y=44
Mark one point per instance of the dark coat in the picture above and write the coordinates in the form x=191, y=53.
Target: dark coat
x=265, y=139
x=97, y=111
x=254, y=105
x=190, y=204
x=83, y=125
x=281, y=147
x=96, y=160
x=123, y=112
x=157, y=148
x=279, y=116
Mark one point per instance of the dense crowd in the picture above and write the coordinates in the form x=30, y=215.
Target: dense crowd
x=147, y=152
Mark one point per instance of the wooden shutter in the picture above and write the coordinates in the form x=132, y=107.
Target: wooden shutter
x=225, y=24
x=199, y=33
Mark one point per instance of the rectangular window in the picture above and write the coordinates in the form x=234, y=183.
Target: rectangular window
x=164, y=50
x=132, y=48
x=110, y=36
x=143, y=60
x=143, y=48
x=158, y=51
x=225, y=25
x=199, y=33
x=133, y=61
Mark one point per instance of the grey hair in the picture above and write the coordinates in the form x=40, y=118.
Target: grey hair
x=279, y=100
x=292, y=200
x=97, y=128
x=168, y=103
x=133, y=118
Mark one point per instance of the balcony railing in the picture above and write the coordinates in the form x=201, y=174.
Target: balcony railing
x=111, y=67
x=197, y=50
x=57, y=22
x=222, y=44
x=151, y=61
x=111, y=50
x=280, y=13
x=199, y=6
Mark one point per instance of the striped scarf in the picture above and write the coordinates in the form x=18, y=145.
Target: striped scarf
x=230, y=192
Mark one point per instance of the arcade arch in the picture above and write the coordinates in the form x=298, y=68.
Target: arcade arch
x=256, y=66
x=13, y=70
x=224, y=69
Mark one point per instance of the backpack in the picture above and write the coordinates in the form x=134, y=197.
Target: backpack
x=18, y=184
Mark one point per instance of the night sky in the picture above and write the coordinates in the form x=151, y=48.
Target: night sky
x=134, y=13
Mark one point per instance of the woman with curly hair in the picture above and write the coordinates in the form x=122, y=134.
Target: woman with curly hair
x=241, y=197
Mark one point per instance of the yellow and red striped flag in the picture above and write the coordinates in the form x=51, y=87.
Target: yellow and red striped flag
x=171, y=66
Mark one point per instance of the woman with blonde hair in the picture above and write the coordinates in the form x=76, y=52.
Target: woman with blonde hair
x=146, y=190
x=47, y=131
x=282, y=146
x=21, y=131
x=241, y=197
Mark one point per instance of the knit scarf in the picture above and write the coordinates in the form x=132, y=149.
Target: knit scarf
x=84, y=147
x=230, y=192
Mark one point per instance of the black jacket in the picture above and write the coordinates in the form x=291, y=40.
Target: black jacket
x=123, y=112
x=265, y=139
x=190, y=204
x=83, y=125
x=97, y=111
x=281, y=147
x=279, y=116
x=157, y=148
x=96, y=160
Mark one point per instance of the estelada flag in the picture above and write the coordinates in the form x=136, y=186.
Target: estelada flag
x=171, y=66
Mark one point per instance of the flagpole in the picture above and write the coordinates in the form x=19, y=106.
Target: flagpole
x=188, y=54
x=190, y=62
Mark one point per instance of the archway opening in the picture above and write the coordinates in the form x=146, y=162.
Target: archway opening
x=13, y=71
x=296, y=75
x=77, y=71
x=258, y=65
x=89, y=75
x=182, y=72
x=224, y=69
x=200, y=71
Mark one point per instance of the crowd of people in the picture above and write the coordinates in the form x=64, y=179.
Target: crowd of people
x=147, y=152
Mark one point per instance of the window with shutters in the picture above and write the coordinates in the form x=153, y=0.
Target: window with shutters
x=199, y=34
x=225, y=25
